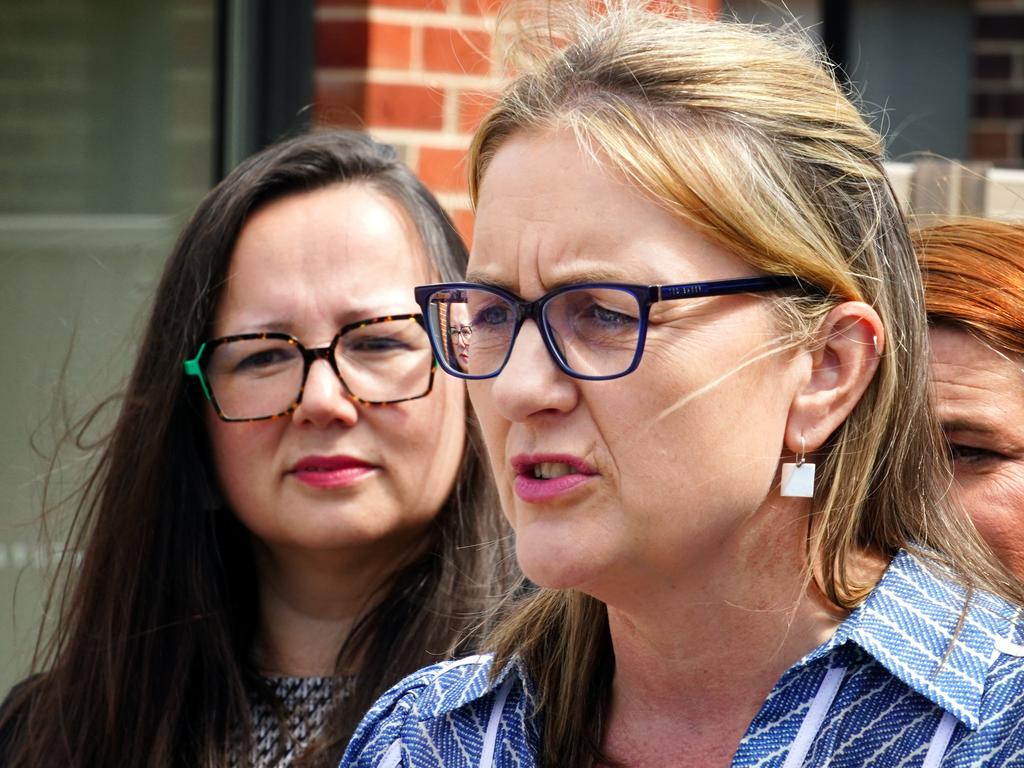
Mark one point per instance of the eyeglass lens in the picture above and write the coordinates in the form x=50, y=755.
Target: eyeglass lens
x=379, y=362
x=594, y=331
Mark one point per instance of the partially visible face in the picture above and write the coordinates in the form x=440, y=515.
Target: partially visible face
x=460, y=330
x=651, y=475
x=334, y=474
x=979, y=395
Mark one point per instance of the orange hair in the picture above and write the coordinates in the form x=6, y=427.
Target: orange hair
x=973, y=271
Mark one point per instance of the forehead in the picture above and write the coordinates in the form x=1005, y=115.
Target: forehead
x=969, y=376
x=342, y=250
x=550, y=212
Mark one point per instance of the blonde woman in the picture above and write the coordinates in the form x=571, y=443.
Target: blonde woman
x=698, y=361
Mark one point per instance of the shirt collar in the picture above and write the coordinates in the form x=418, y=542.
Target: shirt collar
x=907, y=624
x=464, y=681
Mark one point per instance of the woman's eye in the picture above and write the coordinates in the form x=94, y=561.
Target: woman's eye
x=969, y=454
x=496, y=314
x=377, y=344
x=263, y=359
x=607, y=316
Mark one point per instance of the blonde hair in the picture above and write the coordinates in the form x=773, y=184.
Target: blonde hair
x=744, y=134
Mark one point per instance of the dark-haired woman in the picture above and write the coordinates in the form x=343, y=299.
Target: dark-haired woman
x=285, y=517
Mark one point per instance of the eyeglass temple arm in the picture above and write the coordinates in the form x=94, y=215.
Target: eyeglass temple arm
x=727, y=287
x=192, y=369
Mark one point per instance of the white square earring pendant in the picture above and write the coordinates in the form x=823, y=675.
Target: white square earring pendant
x=798, y=478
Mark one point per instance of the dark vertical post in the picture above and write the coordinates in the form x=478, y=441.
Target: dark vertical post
x=836, y=24
x=268, y=60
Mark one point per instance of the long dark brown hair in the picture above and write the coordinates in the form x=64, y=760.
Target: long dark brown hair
x=149, y=661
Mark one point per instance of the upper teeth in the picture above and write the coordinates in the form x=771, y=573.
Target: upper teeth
x=548, y=470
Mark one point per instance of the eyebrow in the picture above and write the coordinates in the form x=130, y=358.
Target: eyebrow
x=968, y=425
x=576, y=278
x=277, y=324
x=261, y=326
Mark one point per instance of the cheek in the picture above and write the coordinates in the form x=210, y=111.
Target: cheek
x=712, y=435
x=703, y=456
x=996, y=504
x=423, y=446
x=493, y=426
x=243, y=457
x=494, y=429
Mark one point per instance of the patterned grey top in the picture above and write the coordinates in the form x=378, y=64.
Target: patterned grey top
x=305, y=703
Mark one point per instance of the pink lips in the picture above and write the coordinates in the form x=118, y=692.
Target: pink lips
x=331, y=471
x=535, y=490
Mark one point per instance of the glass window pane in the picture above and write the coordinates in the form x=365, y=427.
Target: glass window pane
x=106, y=143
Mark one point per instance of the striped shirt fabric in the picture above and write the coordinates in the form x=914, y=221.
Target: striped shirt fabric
x=881, y=692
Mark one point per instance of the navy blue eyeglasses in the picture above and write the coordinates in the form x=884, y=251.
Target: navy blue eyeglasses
x=593, y=331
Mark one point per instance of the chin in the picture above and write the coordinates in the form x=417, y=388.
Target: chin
x=552, y=565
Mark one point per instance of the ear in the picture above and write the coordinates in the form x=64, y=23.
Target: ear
x=849, y=346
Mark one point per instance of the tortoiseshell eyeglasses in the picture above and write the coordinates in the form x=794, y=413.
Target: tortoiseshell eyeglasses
x=256, y=376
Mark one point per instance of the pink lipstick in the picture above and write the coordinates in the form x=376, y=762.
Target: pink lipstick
x=331, y=471
x=542, y=478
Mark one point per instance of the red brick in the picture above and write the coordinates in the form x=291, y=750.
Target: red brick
x=463, y=219
x=1007, y=26
x=456, y=50
x=390, y=46
x=358, y=44
x=342, y=43
x=404, y=106
x=672, y=8
x=1005, y=104
x=994, y=66
x=340, y=105
x=415, y=5
x=491, y=7
x=990, y=145
x=473, y=105
x=443, y=170
x=481, y=7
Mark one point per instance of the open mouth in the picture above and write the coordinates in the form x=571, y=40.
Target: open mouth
x=546, y=478
x=549, y=470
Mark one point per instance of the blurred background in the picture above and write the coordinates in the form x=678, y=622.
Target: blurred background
x=116, y=116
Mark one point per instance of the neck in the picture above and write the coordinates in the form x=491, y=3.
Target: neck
x=707, y=649
x=308, y=605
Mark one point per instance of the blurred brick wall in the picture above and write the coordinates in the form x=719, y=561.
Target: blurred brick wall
x=997, y=123
x=415, y=73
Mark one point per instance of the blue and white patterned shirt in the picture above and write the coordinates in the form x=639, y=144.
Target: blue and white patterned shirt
x=876, y=694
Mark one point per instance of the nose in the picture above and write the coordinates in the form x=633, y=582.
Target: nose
x=324, y=400
x=531, y=383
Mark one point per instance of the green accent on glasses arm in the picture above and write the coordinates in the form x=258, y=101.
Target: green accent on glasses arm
x=192, y=369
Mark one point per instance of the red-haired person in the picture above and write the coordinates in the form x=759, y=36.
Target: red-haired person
x=973, y=273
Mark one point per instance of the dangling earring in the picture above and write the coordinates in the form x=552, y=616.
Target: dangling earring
x=798, y=479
